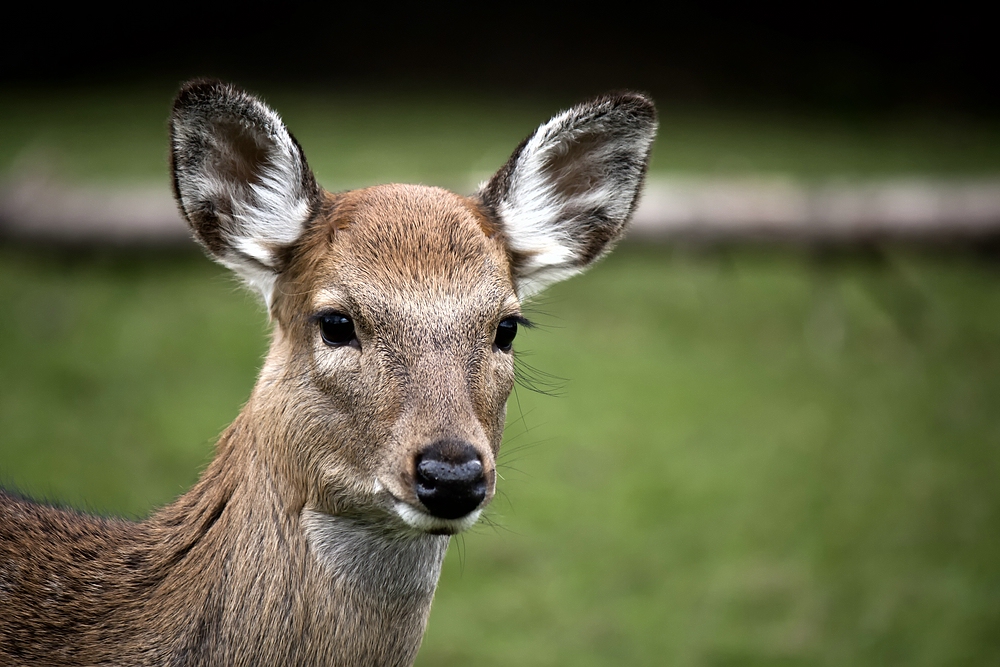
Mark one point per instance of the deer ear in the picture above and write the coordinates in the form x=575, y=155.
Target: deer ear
x=240, y=179
x=566, y=194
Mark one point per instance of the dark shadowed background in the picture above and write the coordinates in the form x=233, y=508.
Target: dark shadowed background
x=829, y=59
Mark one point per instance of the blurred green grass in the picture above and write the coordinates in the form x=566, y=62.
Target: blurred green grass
x=758, y=457
x=449, y=139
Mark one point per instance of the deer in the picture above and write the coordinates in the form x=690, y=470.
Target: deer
x=317, y=533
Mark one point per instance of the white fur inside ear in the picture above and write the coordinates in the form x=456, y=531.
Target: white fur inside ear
x=241, y=180
x=567, y=194
x=274, y=216
x=270, y=216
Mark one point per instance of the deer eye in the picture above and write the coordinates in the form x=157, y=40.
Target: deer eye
x=506, y=331
x=336, y=329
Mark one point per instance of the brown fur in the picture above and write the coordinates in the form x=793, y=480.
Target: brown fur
x=291, y=549
x=180, y=587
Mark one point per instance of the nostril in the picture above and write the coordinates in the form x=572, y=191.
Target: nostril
x=449, y=479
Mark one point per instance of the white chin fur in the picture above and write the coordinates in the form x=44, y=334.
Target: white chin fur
x=431, y=524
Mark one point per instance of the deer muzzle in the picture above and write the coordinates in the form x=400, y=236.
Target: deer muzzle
x=450, y=479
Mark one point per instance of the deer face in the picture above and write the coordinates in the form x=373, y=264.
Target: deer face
x=395, y=317
x=396, y=306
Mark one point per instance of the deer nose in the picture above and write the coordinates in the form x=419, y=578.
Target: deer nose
x=449, y=479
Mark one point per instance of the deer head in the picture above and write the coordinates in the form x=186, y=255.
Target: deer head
x=382, y=400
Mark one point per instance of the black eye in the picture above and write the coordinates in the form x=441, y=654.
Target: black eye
x=336, y=329
x=506, y=331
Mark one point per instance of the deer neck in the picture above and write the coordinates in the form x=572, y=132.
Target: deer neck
x=257, y=570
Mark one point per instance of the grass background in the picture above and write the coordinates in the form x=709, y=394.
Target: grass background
x=120, y=135
x=757, y=457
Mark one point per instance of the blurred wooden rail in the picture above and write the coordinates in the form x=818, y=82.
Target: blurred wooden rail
x=672, y=208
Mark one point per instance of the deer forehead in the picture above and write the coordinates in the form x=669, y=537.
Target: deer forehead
x=392, y=250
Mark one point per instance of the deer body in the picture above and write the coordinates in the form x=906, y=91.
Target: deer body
x=225, y=576
x=317, y=534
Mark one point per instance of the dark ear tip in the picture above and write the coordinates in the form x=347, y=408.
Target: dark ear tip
x=198, y=92
x=635, y=105
x=197, y=89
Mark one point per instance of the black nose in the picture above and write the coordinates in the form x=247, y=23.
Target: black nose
x=449, y=479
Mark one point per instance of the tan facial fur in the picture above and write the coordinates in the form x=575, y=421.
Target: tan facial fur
x=426, y=286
